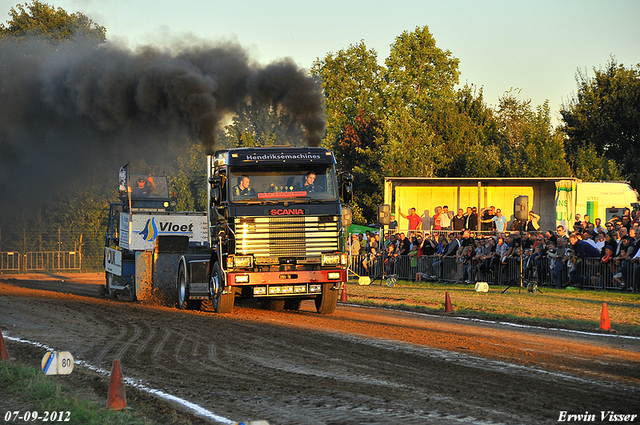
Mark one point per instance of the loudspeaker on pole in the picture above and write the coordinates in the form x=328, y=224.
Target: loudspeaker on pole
x=521, y=207
x=384, y=214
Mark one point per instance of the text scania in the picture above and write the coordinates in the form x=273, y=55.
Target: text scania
x=170, y=227
x=292, y=211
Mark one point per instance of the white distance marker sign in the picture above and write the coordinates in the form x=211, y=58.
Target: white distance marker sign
x=57, y=363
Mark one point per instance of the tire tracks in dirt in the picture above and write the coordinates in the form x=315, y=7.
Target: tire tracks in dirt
x=351, y=368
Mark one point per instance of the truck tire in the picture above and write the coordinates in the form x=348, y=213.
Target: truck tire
x=327, y=301
x=293, y=304
x=128, y=294
x=275, y=304
x=110, y=282
x=222, y=302
x=183, y=302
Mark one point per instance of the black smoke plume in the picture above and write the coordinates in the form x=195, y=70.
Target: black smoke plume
x=66, y=108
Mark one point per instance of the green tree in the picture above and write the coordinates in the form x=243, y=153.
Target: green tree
x=590, y=165
x=419, y=73
x=528, y=145
x=481, y=154
x=40, y=20
x=353, y=88
x=358, y=150
x=603, y=118
x=189, y=178
x=257, y=125
x=420, y=108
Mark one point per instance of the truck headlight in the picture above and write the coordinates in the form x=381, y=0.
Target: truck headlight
x=244, y=262
x=330, y=259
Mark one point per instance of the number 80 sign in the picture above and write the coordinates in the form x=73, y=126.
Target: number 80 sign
x=57, y=363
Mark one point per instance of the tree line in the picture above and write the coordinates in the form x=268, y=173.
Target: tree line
x=403, y=116
x=408, y=118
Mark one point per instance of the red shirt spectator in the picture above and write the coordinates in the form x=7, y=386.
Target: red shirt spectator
x=415, y=222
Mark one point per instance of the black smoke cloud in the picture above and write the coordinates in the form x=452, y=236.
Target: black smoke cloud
x=64, y=109
x=115, y=88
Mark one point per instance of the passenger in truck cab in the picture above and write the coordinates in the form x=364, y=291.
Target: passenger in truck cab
x=243, y=188
x=308, y=183
x=143, y=187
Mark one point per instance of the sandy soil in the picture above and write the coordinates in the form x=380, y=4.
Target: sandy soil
x=358, y=366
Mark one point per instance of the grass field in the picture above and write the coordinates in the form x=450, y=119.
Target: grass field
x=558, y=308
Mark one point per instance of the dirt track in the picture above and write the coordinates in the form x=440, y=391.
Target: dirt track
x=358, y=366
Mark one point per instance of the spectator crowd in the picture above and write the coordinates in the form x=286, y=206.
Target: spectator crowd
x=589, y=255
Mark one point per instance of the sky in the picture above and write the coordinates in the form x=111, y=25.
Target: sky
x=535, y=47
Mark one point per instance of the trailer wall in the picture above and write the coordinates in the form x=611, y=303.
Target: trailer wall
x=426, y=196
x=597, y=199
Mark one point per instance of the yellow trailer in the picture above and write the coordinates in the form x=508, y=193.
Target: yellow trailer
x=555, y=199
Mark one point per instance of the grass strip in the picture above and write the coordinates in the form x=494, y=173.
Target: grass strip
x=558, y=308
x=26, y=389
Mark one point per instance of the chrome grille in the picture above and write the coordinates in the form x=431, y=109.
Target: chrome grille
x=299, y=236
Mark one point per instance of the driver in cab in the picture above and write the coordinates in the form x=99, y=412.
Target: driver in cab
x=143, y=187
x=243, y=188
x=308, y=183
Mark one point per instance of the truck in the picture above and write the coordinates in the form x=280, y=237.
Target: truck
x=273, y=230
x=555, y=199
x=139, y=226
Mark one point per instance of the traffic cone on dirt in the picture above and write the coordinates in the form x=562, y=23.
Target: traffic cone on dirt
x=4, y=354
x=116, y=397
x=604, y=318
x=448, y=308
x=343, y=296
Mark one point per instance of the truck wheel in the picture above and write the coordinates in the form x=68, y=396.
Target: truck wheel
x=275, y=305
x=128, y=294
x=182, y=303
x=222, y=303
x=327, y=301
x=293, y=304
x=110, y=282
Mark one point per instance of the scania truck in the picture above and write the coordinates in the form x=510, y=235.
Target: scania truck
x=274, y=230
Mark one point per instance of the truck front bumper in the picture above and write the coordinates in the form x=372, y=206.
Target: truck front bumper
x=286, y=283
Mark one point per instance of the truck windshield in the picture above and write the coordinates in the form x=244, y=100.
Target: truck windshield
x=282, y=182
x=147, y=186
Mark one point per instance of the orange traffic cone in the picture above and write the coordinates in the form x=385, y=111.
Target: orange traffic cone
x=116, y=397
x=604, y=318
x=448, y=308
x=343, y=296
x=4, y=354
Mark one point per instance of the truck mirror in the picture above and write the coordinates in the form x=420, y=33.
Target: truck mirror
x=216, y=184
x=215, y=196
x=346, y=187
x=347, y=193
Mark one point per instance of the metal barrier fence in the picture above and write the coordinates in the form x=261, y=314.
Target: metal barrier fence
x=589, y=273
x=10, y=261
x=40, y=261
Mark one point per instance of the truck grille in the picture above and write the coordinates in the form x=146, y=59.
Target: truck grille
x=300, y=236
